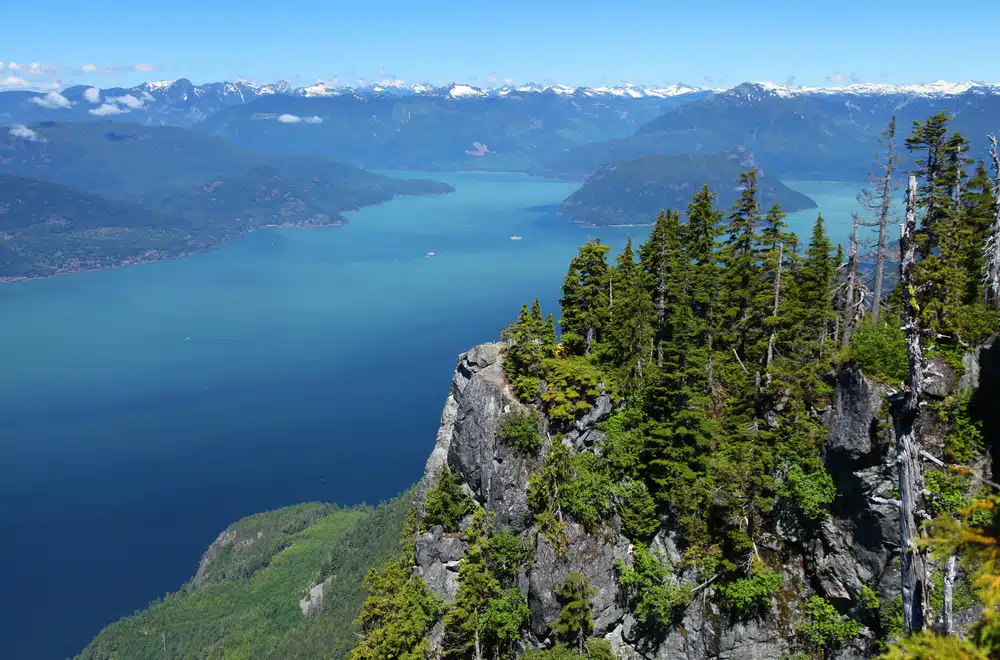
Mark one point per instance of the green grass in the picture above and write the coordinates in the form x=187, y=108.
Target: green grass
x=248, y=604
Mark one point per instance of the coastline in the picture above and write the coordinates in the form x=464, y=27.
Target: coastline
x=140, y=260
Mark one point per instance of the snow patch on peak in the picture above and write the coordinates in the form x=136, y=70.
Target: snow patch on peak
x=157, y=85
x=460, y=90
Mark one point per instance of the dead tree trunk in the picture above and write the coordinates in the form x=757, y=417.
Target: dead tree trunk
x=991, y=251
x=852, y=280
x=886, y=195
x=774, y=314
x=905, y=408
x=949, y=587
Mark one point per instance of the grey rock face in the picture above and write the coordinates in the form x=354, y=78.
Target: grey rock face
x=437, y=558
x=591, y=556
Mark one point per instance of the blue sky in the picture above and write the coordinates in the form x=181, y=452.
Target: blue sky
x=574, y=42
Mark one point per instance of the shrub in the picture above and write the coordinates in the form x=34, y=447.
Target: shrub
x=586, y=496
x=520, y=431
x=881, y=350
x=826, y=628
x=446, y=503
x=751, y=596
x=648, y=587
x=812, y=493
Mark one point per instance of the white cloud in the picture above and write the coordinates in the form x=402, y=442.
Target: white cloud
x=146, y=96
x=108, y=109
x=1, y=64
x=52, y=101
x=836, y=78
x=116, y=68
x=92, y=95
x=13, y=81
x=295, y=119
x=13, y=66
x=129, y=101
x=25, y=133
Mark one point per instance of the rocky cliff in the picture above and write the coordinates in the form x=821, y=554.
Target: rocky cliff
x=854, y=547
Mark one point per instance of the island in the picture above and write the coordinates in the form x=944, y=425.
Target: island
x=632, y=192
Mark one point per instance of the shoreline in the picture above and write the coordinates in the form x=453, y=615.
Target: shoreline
x=6, y=279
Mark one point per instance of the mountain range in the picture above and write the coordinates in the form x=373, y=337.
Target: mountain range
x=80, y=196
x=550, y=130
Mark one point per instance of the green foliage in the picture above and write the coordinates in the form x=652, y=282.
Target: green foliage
x=637, y=511
x=881, y=351
x=575, y=617
x=650, y=589
x=544, y=498
x=595, y=649
x=241, y=613
x=531, y=340
x=446, y=503
x=573, y=385
x=751, y=596
x=586, y=496
x=506, y=553
x=520, y=430
x=869, y=598
x=948, y=490
x=890, y=618
x=623, y=444
x=812, y=493
x=503, y=621
x=964, y=440
x=825, y=628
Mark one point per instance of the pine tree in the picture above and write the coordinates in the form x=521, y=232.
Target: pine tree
x=575, y=618
x=585, y=298
x=699, y=238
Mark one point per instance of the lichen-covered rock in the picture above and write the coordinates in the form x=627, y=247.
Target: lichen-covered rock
x=593, y=556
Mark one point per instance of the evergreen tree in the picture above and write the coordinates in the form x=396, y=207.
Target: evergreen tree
x=630, y=334
x=397, y=615
x=742, y=272
x=503, y=621
x=929, y=139
x=815, y=286
x=703, y=276
x=446, y=503
x=464, y=629
x=575, y=618
x=585, y=298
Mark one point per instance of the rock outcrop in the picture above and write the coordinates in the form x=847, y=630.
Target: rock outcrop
x=854, y=548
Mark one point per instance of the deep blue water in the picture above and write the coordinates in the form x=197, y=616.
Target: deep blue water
x=144, y=409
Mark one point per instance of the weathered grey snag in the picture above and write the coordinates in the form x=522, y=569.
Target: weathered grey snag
x=886, y=198
x=850, y=306
x=774, y=328
x=949, y=587
x=991, y=251
x=905, y=408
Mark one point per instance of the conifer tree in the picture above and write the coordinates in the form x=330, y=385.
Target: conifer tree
x=575, y=618
x=464, y=627
x=929, y=138
x=741, y=272
x=815, y=287
x=630, y=334
x=585, y=298
x=699, y=239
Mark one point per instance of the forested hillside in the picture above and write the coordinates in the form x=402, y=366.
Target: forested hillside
x=724, y=448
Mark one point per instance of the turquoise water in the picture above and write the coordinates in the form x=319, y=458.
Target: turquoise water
x=143, y=409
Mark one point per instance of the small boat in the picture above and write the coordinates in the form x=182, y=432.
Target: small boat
x=429, y=255
x=515, y=238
